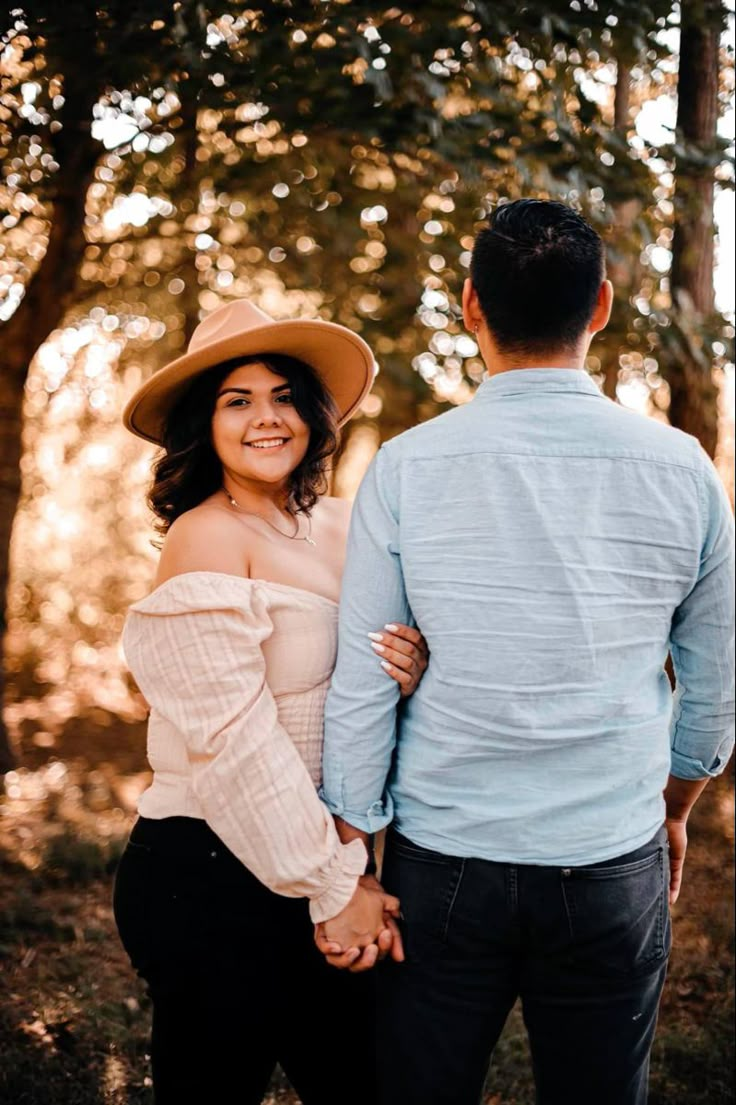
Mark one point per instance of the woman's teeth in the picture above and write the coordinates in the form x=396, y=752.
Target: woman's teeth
x=272, y=443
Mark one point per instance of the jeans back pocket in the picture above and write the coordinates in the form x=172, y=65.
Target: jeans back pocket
x=618, y=915
x=427, y=884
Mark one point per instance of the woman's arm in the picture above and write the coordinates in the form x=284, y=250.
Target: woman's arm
x=195, y=649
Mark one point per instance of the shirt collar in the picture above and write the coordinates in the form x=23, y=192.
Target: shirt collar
x=532, y=381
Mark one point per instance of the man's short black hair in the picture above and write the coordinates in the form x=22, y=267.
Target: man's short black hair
x=537, y=269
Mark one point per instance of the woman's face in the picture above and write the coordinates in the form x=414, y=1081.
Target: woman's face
x=256, y=431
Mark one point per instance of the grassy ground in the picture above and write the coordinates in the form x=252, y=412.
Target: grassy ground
x=73, y=1019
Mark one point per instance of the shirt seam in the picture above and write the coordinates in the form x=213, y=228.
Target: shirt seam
x=537, y=390
x=566, y=455
x=703, y=504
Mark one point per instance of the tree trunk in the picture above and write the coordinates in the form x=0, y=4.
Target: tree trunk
x=11, y=401
x=189, y=30
x=190, y=205
x=694, y=395
x=48, y=294
x=622, y=264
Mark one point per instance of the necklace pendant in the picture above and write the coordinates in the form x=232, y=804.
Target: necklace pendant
x=311, y=541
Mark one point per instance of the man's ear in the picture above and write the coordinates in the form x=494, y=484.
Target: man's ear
x=602, y=311
x=472, y=314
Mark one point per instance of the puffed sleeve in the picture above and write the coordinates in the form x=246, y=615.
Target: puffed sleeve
x=194, y=648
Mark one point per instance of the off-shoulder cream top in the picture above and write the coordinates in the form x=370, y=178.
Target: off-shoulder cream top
x=236, y=672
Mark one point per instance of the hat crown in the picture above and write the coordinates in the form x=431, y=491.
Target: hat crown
x=228, y=321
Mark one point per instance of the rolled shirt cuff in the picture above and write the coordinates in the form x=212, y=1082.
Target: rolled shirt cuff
x=687, y=767
x=342, y=874
x=378, y=815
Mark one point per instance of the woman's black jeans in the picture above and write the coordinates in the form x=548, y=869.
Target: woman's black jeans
x=584, y=948
x=236, y=982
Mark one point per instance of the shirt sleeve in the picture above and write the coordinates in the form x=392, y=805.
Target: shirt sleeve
x=702, y=646
x=360, y=718
x=201, y=666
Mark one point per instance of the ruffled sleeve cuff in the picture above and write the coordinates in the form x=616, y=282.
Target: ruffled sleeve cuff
x=342, y=874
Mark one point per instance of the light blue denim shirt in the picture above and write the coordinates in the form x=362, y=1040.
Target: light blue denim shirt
x=551, y=546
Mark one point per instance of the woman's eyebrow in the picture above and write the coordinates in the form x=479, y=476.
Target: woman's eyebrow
x=247, y=391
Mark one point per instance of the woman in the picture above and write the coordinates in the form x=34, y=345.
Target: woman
x=234, y=650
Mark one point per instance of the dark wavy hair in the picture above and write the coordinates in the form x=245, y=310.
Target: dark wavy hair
x=189, y=470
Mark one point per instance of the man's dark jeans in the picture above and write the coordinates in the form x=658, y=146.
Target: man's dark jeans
x=585, y=948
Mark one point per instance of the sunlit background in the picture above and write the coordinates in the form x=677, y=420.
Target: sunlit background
x=82, y=541
x=194, y=204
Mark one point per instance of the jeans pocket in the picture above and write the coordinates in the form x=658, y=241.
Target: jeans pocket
x=134, y=881
x=402, y=846
x=618, y=915
x=427, y=885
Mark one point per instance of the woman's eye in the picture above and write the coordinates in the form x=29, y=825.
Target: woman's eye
x=284, y=399
x=239, y=402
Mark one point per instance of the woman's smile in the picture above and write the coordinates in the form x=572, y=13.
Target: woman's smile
x=268, y=443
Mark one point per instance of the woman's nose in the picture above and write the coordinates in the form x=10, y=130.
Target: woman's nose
x=267, y=415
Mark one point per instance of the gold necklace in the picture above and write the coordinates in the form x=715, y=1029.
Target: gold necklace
x=290, y=536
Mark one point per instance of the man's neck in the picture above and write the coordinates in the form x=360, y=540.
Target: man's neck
x=498, y=360
x=495, y=365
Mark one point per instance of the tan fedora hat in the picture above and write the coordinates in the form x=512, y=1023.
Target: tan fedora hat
x=342, y=360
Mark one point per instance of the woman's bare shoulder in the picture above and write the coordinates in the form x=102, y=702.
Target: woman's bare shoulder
x=332, y=517
x=206, y=538
x=334, y=509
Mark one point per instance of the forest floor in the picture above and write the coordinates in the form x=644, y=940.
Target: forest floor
x=74, y=1019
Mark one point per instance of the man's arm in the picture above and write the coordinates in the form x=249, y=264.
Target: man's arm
x=360, y=718
x=702, y=647
x=680, y=795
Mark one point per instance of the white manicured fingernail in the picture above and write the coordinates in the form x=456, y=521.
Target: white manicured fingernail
x=386, y=666
x=377, y=648
x=391, y=628
x=376, y=636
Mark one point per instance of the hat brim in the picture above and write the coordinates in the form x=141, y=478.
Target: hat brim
x=341, y=359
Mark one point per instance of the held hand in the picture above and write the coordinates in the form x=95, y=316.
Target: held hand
x=389, y=940
x=365, y=930
x=403, y=654
x=677, y=836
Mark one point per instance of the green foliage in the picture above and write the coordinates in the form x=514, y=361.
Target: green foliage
x=265, y=156
x=25, y=914
x=301, y=114
x=700, y=1059
x=80, y=860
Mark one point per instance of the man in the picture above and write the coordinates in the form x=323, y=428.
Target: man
x=552, y=548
